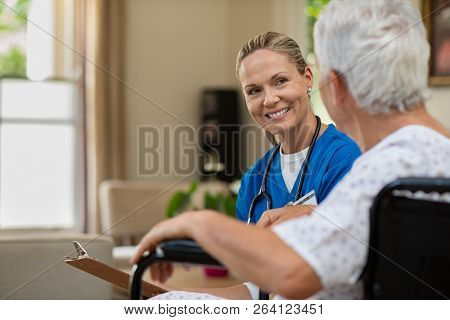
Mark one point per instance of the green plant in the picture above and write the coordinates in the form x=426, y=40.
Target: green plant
x=180, y=200
x=21, y=10
x=312, y=11
x=13, y=22
x=220, y=202
x=14, y=18
x=13, y=63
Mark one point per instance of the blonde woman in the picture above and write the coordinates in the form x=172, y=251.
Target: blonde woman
x=309, y=157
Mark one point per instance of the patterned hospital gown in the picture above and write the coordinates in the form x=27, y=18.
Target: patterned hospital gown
x=333, y=240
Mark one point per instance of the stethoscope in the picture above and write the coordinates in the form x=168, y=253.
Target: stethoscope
x=263, y=192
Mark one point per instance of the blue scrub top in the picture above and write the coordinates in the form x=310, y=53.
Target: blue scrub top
x=332, y=158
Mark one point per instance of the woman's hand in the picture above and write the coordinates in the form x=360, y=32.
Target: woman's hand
x=273, y=217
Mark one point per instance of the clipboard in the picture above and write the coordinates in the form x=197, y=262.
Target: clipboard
x=107, y=273
x=307, y=199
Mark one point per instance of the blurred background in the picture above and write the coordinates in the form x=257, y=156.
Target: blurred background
x=87, y=85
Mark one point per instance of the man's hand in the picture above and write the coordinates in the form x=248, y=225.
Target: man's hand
x=161, y=271
x=276, y=216
x=168, y=229
x=175, y=228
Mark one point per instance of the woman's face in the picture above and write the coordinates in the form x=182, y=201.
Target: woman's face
x=274, y=90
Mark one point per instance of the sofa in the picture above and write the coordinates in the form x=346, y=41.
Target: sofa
x=32, y=265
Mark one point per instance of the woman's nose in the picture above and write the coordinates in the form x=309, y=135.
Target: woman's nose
x=270, y=99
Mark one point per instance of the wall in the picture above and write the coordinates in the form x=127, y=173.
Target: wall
x=175, y=48
x=439, y=102
x=250, y=17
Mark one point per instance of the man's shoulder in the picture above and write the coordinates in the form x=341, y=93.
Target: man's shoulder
x=415, y=135
x=410, y=145
x=403, y=154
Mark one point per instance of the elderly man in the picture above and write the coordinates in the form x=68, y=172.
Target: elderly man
x=373, y=58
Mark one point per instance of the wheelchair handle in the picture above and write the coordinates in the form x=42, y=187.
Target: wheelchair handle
x=182, y=250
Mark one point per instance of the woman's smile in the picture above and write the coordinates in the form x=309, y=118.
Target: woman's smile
x=278, y=114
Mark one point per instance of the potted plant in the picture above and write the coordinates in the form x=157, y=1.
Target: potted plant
x=220, y=201
x=180, y=201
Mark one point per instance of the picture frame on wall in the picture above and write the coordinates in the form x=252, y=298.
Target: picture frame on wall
x=436, y=17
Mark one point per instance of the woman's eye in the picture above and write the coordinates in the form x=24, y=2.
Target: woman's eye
x=253, y=91
x=281, y=81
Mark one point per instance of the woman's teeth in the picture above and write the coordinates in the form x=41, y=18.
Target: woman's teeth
x=277, y=115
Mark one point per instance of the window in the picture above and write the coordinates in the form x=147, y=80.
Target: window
x=38, y=116
x=13, y=21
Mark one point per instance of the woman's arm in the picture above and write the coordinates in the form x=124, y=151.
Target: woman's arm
x=254, y=253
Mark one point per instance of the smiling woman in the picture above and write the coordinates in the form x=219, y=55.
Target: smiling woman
x=277, y=97
x=276, y=82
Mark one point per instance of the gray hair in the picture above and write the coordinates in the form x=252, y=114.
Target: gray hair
x=379, y=47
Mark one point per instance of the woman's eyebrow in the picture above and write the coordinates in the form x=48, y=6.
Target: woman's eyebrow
x=277, y=74
x=250, y=85
x=271, y=78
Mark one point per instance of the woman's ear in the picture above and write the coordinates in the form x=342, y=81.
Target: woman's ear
x=309, y=77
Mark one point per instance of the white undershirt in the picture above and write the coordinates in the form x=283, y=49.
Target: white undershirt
x=290, y=168
x=291, y=165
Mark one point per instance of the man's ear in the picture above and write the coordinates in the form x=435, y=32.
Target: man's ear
x=338, y=88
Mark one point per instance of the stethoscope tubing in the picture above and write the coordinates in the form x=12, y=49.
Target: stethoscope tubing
x=262, y=190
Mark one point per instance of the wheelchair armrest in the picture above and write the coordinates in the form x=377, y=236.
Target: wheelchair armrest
x=182, y=250
x=186, y=250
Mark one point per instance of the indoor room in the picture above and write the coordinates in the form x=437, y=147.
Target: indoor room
x=116, y=115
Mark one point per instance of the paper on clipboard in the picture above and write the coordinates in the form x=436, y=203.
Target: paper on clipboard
x=307, y=199
x=108, y=273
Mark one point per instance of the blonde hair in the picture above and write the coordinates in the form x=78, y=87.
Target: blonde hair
x=277, y=42
x=274, y=41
